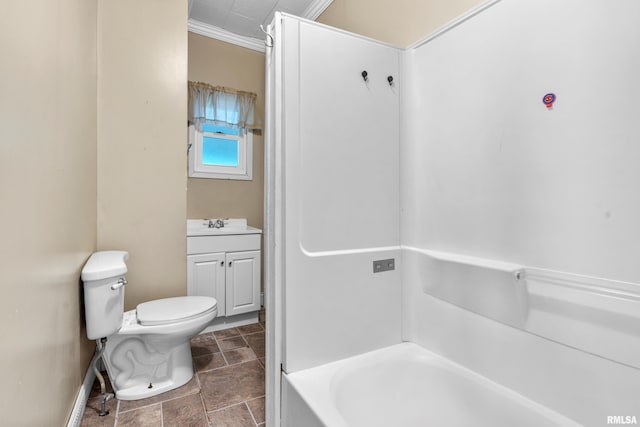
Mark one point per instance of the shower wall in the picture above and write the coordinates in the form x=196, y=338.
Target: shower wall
x=488, y=170
x=340, y=193
x=472, y=162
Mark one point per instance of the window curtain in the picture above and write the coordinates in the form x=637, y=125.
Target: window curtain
x=222, y=106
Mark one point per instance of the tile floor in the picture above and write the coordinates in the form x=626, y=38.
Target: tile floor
x=227, y=389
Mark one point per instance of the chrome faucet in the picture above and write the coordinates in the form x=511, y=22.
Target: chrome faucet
x=217, y=224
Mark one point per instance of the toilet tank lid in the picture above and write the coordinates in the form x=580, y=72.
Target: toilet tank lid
x=105, y=264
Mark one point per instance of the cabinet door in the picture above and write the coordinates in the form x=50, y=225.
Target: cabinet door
x=243, y=282
x=206, y=277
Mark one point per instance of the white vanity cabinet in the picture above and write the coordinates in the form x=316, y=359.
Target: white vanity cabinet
x=226, y=267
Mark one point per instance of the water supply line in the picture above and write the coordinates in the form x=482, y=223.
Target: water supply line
x=268, y=42
x=100, y=347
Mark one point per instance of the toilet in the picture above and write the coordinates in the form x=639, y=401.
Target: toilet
x=146, y=351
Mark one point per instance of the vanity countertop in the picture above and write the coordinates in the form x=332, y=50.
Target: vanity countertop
x=200, y=227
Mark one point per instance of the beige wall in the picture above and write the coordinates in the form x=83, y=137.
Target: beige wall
x=142, y=112
x=48, y=204
x=400, y=22
x=224, y=64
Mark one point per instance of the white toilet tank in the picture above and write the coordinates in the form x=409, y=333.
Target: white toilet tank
x=103, y=279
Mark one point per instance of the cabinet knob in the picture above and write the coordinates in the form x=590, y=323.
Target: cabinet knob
x=221, y=263
x=229, y=263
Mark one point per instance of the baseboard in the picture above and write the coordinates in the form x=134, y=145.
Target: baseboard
x=232, y=321
x=81, y=399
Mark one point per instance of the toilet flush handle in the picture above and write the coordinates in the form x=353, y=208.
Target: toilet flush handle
x=121, y=282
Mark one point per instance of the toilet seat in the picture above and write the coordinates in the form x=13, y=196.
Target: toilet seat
x=169, y=311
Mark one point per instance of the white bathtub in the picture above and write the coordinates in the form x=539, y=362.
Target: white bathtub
x=405, y=385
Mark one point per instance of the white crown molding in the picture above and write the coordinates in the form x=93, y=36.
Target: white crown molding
x=224, y=35
x=312, y=12
x=316, y=8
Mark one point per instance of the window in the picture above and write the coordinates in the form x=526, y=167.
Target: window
x=220, y=152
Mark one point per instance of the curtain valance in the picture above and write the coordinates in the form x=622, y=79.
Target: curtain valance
x=222, y=106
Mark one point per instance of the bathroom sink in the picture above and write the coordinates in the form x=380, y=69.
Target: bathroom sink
x=200, y=227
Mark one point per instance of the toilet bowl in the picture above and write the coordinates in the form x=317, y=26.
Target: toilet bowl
x=147, y=349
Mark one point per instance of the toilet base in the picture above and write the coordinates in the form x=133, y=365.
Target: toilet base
x=138, y=370
x=142, y=391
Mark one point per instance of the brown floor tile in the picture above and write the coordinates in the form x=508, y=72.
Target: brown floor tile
x=232, y=343
x=263, y=362
x=232, y=416
x=256, y=406
x=191, y=387
x=239, y=355
x=149, y=416
x=256, y=342
x=91, y=417
x=250, y=329
x=226, y=333
x=204, y=344
x=232, y=384
x=208, y=362
x=184, y=411
x=203, y=337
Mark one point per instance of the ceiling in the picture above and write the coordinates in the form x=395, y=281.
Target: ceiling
x=238, y=21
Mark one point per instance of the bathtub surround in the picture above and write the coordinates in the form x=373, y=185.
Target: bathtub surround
x=348, y=164
x=546, y=303
x=489, y=171
x=460, y=155
x=548, y=368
